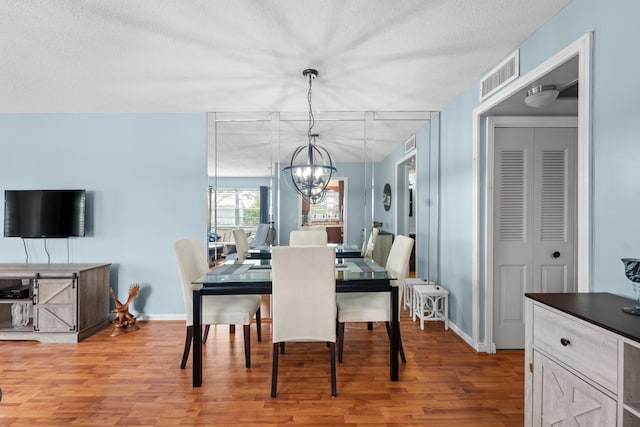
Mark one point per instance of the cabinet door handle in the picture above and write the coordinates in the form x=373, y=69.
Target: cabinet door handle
x=565, y=342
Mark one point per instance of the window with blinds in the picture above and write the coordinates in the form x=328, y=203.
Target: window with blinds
x=234, y=208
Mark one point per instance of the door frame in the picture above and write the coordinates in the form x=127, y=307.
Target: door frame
x=400, y=167
x=494, y=122
x=481, y=256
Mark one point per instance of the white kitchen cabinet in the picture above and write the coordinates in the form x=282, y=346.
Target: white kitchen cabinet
x=583, y=361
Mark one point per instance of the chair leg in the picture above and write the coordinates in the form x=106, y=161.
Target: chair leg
x=282, y=348
x=206, y=334
x=340, y=340
x=400, y=349
x=247, y=345
x=232, y=329
x=187, y=346
x=332, y=349
x=404, y=359
x=258, y=325
x=274, y=370
x=370, y=326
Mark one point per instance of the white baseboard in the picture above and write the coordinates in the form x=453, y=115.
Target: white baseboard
x=462, y=334
x=484, y=348
x=480, y=348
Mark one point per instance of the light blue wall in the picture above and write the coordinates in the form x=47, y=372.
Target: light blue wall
x=359, y=190
x=428, y=143
x=146, y=180
x=615, y=144
x=427, y=146
x=385, y=173
x=455, y=207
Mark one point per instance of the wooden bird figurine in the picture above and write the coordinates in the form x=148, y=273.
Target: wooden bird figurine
x=124, y=319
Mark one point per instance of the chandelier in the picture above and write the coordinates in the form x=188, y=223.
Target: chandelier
x=310, y=167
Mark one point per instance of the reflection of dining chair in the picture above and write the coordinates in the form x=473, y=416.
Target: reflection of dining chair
x=308, y=238
x=368, y=250
x=242, y=243
x=271, y=235
x=260, y=239
x=303, y=300
x=376, y=306
x=216, y=309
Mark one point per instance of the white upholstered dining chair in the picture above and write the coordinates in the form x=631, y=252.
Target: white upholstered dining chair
x=314, y=237
x=260, y=238
x=242, y=243
x=216, y=309
x=367, y=251
x=303, y=301
x=376, y=306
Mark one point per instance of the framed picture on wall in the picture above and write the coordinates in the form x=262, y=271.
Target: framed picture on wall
x=386, y=197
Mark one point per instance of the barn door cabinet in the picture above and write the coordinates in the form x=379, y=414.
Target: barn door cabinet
x=67, y=303
x=582, y=361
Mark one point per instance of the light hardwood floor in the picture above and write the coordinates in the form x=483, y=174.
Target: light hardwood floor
x=134, y=379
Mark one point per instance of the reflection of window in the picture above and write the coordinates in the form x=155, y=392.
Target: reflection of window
x=234, y=208
x=329, y=209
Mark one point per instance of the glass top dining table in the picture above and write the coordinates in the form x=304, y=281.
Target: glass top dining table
x=342, y=251
x=253, y=276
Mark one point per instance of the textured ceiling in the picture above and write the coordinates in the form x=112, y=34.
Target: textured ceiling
x=248, y=56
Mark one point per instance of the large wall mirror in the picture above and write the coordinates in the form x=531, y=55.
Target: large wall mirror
x=247, y=188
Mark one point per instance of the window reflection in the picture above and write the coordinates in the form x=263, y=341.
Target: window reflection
x=329, y=211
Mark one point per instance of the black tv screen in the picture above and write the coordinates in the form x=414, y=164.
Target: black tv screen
x=44, y=213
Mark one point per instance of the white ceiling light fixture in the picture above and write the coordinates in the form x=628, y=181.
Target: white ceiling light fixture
x=310, y=166
x=541, y=96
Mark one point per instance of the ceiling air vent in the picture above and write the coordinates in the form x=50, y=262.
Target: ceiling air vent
x=410, y=144
x=500, y=76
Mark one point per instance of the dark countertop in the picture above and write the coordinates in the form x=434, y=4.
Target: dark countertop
x=599, y=308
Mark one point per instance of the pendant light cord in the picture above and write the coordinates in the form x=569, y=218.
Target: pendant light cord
x=311, y=118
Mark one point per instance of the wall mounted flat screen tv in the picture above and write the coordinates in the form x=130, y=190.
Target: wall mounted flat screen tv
x=44, y=213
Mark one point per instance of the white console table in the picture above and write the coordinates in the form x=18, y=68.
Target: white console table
x=70, y=302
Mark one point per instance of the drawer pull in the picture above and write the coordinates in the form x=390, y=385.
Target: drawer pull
x=565, y=342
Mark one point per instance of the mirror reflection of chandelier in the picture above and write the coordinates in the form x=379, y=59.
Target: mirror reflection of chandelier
x=310, y=166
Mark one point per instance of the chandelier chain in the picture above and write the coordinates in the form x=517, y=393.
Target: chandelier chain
x=310, y=166
x=311, y=118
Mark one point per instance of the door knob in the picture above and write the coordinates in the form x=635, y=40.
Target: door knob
x=556, y=254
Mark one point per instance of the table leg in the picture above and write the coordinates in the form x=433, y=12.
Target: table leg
x=197, y=339
x=395, y=326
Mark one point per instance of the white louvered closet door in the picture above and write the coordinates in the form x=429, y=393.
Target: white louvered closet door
x=534, y=220
x=555, y=216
